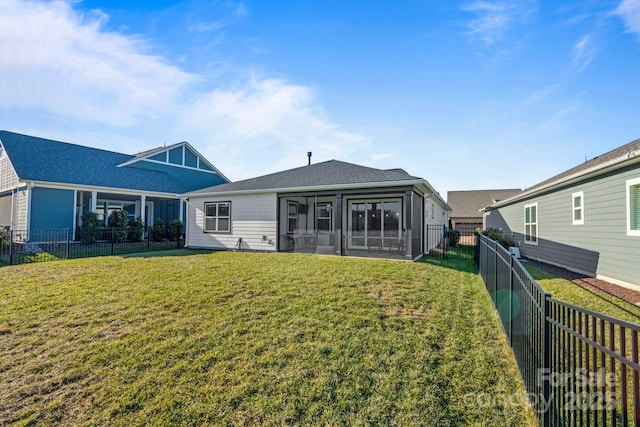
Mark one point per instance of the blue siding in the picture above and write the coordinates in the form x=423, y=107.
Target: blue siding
x=167, y=210
x=51, y=209
x=190, y=159
x=162, y=157
x=175, y=156
x=191, y=179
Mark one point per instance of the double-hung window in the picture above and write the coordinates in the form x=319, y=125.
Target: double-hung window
x=217, y=217
x=531, y=224
x=633, y=207
x=577, y=208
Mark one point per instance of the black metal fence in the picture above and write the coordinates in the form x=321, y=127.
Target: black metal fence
x=579, y=367
x=22, y=246
x=443, y=242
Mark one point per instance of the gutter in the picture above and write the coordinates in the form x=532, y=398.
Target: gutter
x=631, y=158
x=65, y=186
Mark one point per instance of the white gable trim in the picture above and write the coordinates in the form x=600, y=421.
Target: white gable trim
x=166, y=150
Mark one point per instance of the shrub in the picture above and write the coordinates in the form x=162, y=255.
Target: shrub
x=136, y=230
x=120, y=223
x=498, y=236
x=454, y=237
x=89, y=232
x=5, y=237
x=175, y=230
x=158, y=231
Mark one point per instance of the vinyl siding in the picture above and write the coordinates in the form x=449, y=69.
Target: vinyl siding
x=8, y=177
x=252, y=216
x=5, y=211
x=51, y=209
x=598, y=247
x=21, y=201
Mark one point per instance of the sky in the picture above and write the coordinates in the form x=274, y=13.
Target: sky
x=472, y=94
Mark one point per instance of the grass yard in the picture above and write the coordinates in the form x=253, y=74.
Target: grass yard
x=567, y=291
x=185, y=338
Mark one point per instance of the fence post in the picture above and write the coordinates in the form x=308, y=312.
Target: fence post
x=546, y=360
x=511, y=299
x=11, y=247
x=68, y=242
x=495, y=272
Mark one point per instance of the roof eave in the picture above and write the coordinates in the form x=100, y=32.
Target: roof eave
x=310, y=188
x=628, y=159
x=114, y=190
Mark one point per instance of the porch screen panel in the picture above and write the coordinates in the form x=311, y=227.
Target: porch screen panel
x=358, y=223
x=392, y=220
x=374, y=224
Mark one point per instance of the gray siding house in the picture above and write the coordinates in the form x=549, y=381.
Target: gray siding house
x=586, y=219
x=331, y=207
x=48, y=185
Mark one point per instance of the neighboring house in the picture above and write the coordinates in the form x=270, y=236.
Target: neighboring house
x=331, y=207
x=47, y=184
x=466, y=206
x=586, y=219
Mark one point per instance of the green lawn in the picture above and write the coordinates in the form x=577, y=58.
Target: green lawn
x=568, y=291
x=185, y=338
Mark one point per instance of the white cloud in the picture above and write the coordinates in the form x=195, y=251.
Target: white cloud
x=583, y=52
x=629, y=11
x=63, y=66
x=493, y=18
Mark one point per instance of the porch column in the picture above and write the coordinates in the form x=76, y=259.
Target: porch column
x=143, y=207
x=408, y=211
x=75, y=214
x=94, y=201
x=181, y=213
x=337, y=240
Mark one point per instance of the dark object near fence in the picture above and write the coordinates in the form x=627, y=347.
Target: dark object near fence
x=19, y=246
x=580, y=368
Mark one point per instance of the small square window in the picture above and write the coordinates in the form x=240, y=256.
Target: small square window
x=217, y=217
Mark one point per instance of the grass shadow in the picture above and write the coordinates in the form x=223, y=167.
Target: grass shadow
x=168, y=253
x=453, y=264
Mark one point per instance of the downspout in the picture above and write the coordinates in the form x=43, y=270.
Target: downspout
x=13, y=196
x=186, y=222
x=27, y=226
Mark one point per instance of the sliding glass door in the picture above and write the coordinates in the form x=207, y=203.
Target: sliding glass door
x=374, y=223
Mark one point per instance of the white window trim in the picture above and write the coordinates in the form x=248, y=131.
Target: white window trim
x=574, y=208
x=631, y=183
x=529, y=242
x=216, y=231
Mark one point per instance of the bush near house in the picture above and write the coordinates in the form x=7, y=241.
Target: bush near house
x=136, y=230
x=120, y=223
x=498, y=236
x=158, y=231
x=89, y=227
x=175, y=230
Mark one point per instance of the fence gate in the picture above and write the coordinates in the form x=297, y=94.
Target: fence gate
x=443, y=242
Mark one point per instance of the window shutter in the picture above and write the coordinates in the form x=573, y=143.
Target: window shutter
x=635, y=207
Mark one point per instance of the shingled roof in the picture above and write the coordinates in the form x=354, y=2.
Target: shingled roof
x=45, y=160
x=616, y=158
x=467, y=204
x=329, y=173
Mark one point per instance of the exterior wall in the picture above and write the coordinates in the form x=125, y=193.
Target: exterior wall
x=191, y=179
x=21, y=203
x=167, y=210
x=51, y=209
x=598, y=247
x=252, y=216
x=5, y=211
x=8, y=177
x=435, y=214
x=417, y=230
